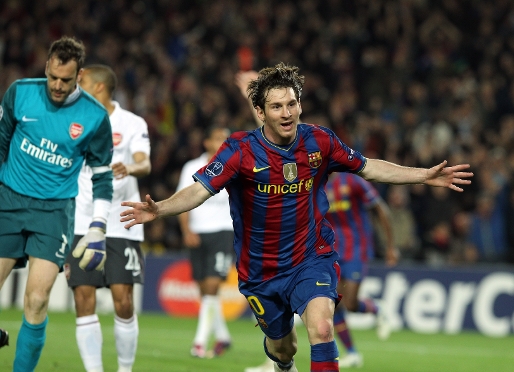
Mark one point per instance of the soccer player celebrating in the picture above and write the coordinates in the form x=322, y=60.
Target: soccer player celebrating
x=275, y=176
x=124, y=265
x=48, y=127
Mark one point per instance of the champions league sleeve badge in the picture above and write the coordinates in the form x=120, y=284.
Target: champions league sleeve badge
x=214, y=169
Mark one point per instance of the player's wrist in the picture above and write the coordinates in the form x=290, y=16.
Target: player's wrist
x=98, y=223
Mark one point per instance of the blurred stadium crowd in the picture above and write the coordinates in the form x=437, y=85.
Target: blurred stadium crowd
x=411, y=81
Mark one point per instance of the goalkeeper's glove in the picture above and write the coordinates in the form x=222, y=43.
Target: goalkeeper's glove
x=92, y=247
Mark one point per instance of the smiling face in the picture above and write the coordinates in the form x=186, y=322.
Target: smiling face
x=62, y=78
x=281, y=115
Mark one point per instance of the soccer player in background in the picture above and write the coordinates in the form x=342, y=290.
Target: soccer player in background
x=124, y=265
x=275, y=176
x=208, y=233
x=48, y=127
x=351, y=199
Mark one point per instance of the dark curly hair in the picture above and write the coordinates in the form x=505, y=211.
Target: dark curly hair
x=279, y=76
x=67, y=49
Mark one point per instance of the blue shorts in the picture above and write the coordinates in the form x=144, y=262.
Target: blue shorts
x=354, y=270
x=275, y=301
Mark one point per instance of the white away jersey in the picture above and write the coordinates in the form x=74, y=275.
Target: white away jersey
x=129, y=135
x=214, y=214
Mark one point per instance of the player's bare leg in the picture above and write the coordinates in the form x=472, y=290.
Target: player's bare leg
x=318, y=318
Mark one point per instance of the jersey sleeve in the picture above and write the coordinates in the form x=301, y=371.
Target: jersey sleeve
x=222, y=168
x=7, y=121
x=98, y=157
x=140, y=140
x=342, y=157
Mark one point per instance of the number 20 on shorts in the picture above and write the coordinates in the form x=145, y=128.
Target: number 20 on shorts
x=255, y=304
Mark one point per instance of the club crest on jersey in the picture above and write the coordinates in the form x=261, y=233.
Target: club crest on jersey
x=214, y=169
x=117, y=138
x=315, y=159
x=290, y=171
x=76, y=130
x=262, y=322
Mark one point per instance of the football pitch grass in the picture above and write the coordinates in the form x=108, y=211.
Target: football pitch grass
x=164, y=345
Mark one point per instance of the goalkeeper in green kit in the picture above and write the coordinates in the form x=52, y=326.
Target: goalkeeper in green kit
x=48, y=128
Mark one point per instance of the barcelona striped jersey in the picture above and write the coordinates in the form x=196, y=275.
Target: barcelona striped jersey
x=277, y=196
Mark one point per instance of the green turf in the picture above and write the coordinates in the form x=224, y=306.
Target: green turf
x=164, y=344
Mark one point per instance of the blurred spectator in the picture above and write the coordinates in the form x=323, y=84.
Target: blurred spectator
x=402, y=223
x=487, y=230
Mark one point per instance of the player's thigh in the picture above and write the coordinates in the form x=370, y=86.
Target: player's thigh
x=41, y=278
x=214, y=257
x=316, y=278
x=272, y=312
x=6, y=266
x=76, y=276
x=125, y=262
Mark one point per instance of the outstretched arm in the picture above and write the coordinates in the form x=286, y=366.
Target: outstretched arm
x=182, y=201
x=382, y=171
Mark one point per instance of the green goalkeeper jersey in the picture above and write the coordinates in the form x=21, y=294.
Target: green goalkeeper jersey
x=43, y=145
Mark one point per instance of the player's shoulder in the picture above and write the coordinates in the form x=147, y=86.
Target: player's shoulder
x=127, y=116
x=91, y=103
x=315, y=129
x=242, y=135
x=29, y=84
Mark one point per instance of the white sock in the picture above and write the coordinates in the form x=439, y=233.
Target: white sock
x=205, y=320
x=89, y=341
x=220, y=325
x=126, y=332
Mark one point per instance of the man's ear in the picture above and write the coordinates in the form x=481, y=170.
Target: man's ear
x=260, y=114
x=300, y=106
x=46, y=69
x=79, y=75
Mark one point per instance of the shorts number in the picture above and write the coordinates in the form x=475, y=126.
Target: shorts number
x=223, y=263
x=133, y=259
x=256, y=305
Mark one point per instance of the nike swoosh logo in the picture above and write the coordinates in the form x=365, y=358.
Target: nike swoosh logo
x=136, y=273
x=320, y=284
x=255, y=169
x=24, y=118
x=59, y=255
